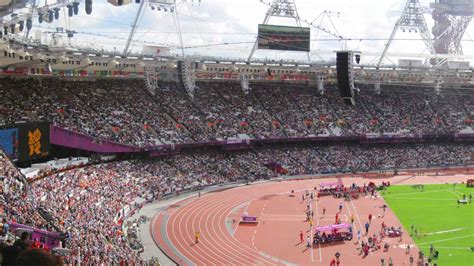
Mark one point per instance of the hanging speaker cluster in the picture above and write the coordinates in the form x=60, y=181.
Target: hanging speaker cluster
x=345, y=78
x=72, y=9
x=48, y=15
x=88, y=7
x=29, y=23
x=75, y=6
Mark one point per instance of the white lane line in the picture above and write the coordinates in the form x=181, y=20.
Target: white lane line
x=253, y=243
x=206, y=240
x=210, y=242
x=317, y=218
x=298, y=216
x=212, y=230
x=258, y=224
x=195, y=257
x=444, y=240
x=444, y=232
x=427, y=199
x=281, y=215
x=216, y=210
x=360, y=223
x=233, y=211
x=455, y=194
x=167, y=240
x=302, y=218
x=236, y=248
x=312, y=251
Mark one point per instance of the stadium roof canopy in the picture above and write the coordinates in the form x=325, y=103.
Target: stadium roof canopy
x=212, y=30
x=105, y=35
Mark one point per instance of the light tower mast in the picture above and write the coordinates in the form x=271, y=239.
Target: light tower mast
x=411, y=19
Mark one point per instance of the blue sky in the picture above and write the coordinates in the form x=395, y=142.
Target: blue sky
x=215, y=22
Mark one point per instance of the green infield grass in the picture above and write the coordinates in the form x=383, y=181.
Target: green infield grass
x=434, y=212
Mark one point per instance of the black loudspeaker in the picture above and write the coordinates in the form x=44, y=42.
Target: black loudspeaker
x=75, y=7
x=343, y=61
x=70, y=10
x=181, y=71
x=357, y=58
x=88, y=7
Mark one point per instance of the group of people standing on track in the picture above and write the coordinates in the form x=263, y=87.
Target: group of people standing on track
x=373, y=241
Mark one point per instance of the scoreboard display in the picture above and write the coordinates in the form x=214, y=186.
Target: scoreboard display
x=25, y=142
x=272, y=37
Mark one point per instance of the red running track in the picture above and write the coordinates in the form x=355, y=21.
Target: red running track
x=208, y=216
x=174, y=229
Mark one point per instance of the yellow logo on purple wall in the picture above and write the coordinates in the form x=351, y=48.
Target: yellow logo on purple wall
x=34, y=142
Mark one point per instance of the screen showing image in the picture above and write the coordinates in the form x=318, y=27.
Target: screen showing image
x=9, y=142
x=272, y=37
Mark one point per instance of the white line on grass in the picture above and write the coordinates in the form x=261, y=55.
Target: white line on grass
x=455, y=194
x=446, y=231
x=419, y=192
x=428, y=199
x=444, y=240
x=458, y=248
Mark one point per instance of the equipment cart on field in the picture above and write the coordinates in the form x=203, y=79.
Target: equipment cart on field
x=332, y=233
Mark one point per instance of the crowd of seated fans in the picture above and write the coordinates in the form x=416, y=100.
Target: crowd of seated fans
x=87, y=204
x=13, y=198
x=417, y=110
x=124, y=110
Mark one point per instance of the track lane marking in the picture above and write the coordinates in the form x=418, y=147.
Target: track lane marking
x=358, y=219
x=237, y=248
x=317, y=218
x=215, y=208
x=185, y=234
x=254, y=256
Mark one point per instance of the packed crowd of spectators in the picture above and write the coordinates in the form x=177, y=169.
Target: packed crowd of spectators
x=89, y=204
x=123, y=110
x=13, y=199
x=412, y=110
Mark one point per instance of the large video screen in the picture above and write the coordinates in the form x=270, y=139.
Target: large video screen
x=9, y=142
x=33, y=141
x=272, y=37
x=25, y=142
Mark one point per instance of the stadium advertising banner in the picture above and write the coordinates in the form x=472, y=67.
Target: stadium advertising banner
x=272, y=37
x=33, y=141
x=9, y=142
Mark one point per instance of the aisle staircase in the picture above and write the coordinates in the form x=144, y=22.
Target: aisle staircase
x=149, y=84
